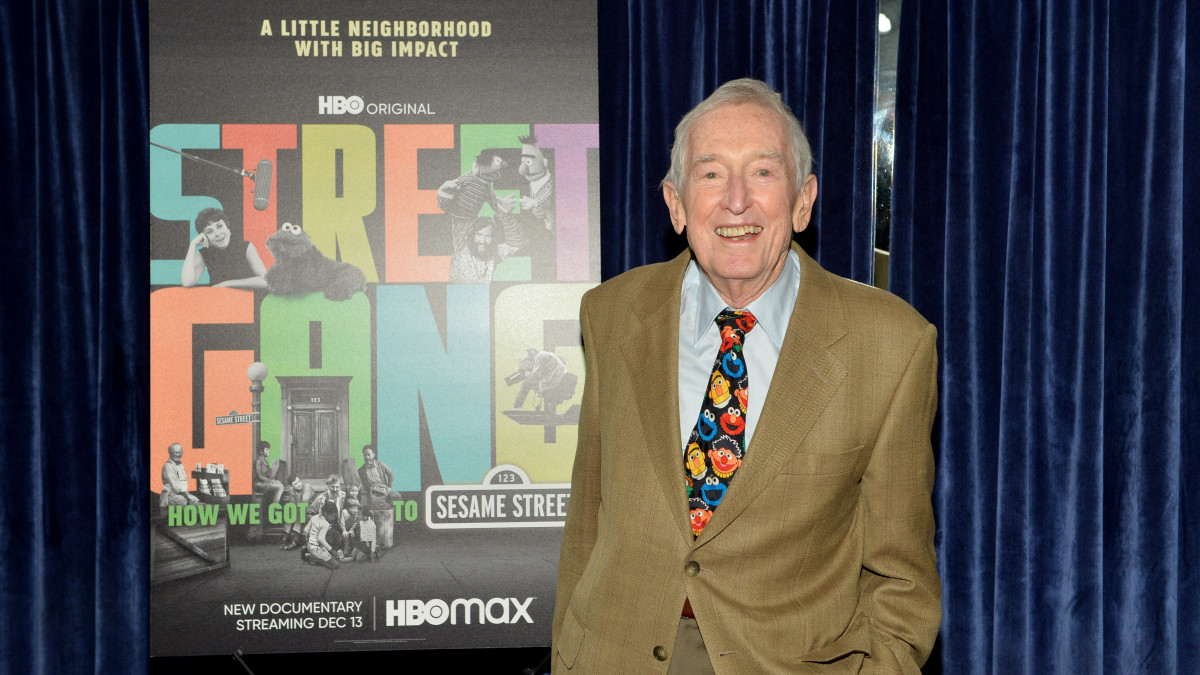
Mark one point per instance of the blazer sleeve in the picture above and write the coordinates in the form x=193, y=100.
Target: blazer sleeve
x=579, y=530
x=899, y=586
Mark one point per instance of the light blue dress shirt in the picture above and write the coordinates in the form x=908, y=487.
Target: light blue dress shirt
x=700, y=340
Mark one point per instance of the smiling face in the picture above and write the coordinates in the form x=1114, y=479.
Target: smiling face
x=217, y=234
x=739, y=204
x=481, y=243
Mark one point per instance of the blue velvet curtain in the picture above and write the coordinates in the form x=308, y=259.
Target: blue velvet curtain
x=1046, y=221
x=73, y=530
x=658, y=59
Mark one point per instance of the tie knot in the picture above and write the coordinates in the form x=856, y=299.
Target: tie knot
x=741, y=320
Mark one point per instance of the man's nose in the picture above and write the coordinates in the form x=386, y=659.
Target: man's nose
x=737, y=198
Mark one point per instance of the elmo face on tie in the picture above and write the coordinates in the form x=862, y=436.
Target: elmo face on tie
x=717, y=444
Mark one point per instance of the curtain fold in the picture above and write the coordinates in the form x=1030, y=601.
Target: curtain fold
x=1045, y=222
x=657, y=60
x=72, y=345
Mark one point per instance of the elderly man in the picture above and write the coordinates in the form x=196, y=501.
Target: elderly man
x=175, y=480
x=751, y=490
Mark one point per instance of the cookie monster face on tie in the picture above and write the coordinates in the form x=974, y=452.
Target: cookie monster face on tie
x=713, y=491
x=724, y=462
x=706, y=426
x=733, y=422
x=718, y=390
x=733, y=365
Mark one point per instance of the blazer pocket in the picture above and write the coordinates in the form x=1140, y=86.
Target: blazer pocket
x=850, y=649
x=822, y=464
x=570, y=640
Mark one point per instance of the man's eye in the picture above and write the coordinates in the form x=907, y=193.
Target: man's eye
x=764, y=172
x=710, y=174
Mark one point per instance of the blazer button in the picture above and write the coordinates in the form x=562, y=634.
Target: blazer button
x=660, y=653
x=692, y=568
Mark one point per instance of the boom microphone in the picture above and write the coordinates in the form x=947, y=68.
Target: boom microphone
x=261, y=175
x=262, y=185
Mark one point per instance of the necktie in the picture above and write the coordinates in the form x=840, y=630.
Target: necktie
x=718, y=442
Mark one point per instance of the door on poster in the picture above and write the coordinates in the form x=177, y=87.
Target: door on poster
x=314, y=442
x=315, y=425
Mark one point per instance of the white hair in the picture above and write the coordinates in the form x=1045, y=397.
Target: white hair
x=744, y=91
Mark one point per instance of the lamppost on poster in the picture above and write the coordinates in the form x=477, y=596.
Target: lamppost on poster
x=257, y=372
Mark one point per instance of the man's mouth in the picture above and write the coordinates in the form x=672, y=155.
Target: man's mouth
x=739, y=232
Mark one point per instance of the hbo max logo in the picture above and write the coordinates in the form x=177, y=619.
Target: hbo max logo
x=339, y=105
x=437, y=611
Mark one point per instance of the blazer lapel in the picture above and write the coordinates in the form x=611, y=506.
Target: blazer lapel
x=652, y=363
x=806, y=377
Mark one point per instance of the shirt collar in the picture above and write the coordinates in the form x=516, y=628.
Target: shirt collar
x=772, y=310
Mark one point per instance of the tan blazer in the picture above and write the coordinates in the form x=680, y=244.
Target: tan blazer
x=820, y=558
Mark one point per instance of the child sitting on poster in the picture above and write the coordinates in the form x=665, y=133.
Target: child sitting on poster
x=353, y=491
x=319, y=551
x=360, y=532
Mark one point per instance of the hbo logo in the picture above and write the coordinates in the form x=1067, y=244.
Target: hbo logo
x=339, y=105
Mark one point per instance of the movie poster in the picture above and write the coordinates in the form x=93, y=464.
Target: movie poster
x=371, y=226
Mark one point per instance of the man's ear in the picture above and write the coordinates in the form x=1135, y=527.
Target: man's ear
x=675, y=205
x=805, y=199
